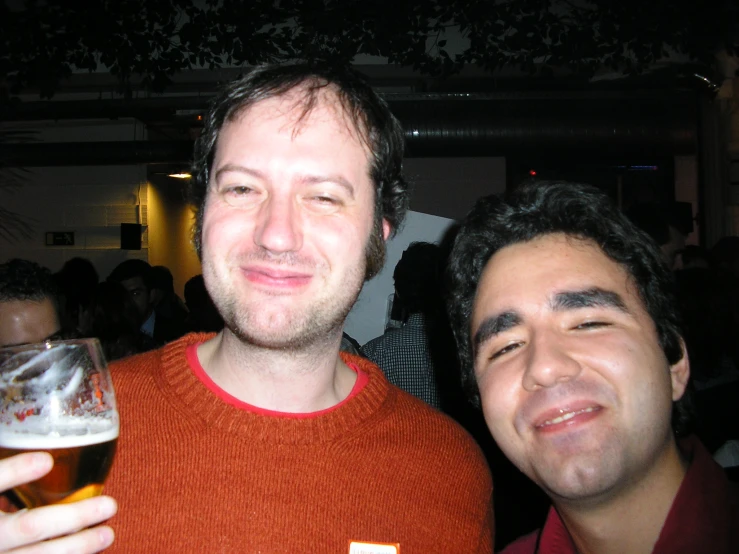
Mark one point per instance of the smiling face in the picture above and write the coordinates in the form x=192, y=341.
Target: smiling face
x=574, y=385
x=287, y=219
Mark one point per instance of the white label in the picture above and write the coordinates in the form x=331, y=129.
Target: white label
x=373, y=548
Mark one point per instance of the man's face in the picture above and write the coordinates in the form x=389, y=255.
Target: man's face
x=286, y=222
x=574, y=385
x=27, y=321
x=140, y=295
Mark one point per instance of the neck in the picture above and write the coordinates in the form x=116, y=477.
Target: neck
x=295, y=381
x=631, y=519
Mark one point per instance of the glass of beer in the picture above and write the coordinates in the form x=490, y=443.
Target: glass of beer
x=58, y=397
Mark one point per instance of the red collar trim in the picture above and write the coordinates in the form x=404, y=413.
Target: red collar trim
x=191, y=353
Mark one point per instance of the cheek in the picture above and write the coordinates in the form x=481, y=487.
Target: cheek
x=337, y=238
x=598, y=354
x=223, y=227
x=499, y=399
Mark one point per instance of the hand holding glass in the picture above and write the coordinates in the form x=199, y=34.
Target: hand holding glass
x=58, y=397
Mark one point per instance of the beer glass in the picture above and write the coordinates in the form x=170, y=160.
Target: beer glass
x=58, y=397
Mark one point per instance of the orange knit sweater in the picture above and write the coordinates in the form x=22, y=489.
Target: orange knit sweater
x=194, y=473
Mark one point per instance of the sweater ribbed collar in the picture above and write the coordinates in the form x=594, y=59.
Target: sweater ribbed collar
x=197, y=402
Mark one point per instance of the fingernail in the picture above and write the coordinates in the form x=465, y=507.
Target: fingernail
x=106, y=536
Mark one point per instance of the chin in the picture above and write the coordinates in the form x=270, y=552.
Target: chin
x=286, y=336
x=580, y=482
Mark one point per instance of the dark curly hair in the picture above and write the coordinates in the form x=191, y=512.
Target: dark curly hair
x=368, y=113
x=26, y=280
x=541, y=208
x=129, y=269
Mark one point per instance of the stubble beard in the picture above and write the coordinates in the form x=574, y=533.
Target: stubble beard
x=310, y=324
x=293, y=328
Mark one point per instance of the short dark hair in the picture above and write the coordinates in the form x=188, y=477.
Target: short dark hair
x=368, y=113
x=130, y=269
x=25, y=280
x=417, y=277
x=162, y=279
x=581, y=211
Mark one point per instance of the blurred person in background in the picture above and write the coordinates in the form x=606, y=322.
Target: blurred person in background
x=76, y=281
x=28, y=304
x=166, y=302
x=137, y=278
x=202, y=314
x=112, y=317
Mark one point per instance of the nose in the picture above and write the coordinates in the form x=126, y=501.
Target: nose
x=548, y=363
x=278, y=227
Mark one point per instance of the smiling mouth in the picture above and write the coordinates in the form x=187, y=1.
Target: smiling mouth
x=567, y=416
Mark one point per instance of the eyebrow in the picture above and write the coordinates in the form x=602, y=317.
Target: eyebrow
x=494, y=325
x=235, y=168
x=588, y=298
x=306, y=179
x=337, y=179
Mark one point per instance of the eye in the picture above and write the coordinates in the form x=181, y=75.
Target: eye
x=240, y=195
x=592, y=325
x=325, y=200
x=505, y=350
x=323, y=203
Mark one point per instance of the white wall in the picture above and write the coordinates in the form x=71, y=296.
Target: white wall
x=91, y=201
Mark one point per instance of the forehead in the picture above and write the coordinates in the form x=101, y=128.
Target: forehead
x=24, y=321
x=134, y=283
x=296, y=112
x=284, y=146
x=534, y=271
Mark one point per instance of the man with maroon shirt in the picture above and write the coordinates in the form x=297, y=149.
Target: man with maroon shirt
x=569, y=338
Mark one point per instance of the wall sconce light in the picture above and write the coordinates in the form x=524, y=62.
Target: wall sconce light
x=180, y=175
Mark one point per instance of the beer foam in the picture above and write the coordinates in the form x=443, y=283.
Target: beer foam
x=83, y=432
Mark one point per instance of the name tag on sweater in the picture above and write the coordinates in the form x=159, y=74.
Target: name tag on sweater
x=373, y=548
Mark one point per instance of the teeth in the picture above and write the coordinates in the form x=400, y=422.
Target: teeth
x=567, y=416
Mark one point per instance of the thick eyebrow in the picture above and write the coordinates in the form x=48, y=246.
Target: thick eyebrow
x=492, y=326
x=337, y=179
x=588, y=298
x=228, y=168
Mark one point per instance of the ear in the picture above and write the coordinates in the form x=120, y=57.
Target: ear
x=680, y=373
x=386, y=228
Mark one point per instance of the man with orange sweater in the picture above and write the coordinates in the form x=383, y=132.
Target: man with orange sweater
x=262, y=438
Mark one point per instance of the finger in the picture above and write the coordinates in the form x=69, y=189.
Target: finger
x=84, y=542
x=31, y=526
x=24, y=468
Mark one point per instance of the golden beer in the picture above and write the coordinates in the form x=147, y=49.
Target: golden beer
x=81, y=464
x=58, y=397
